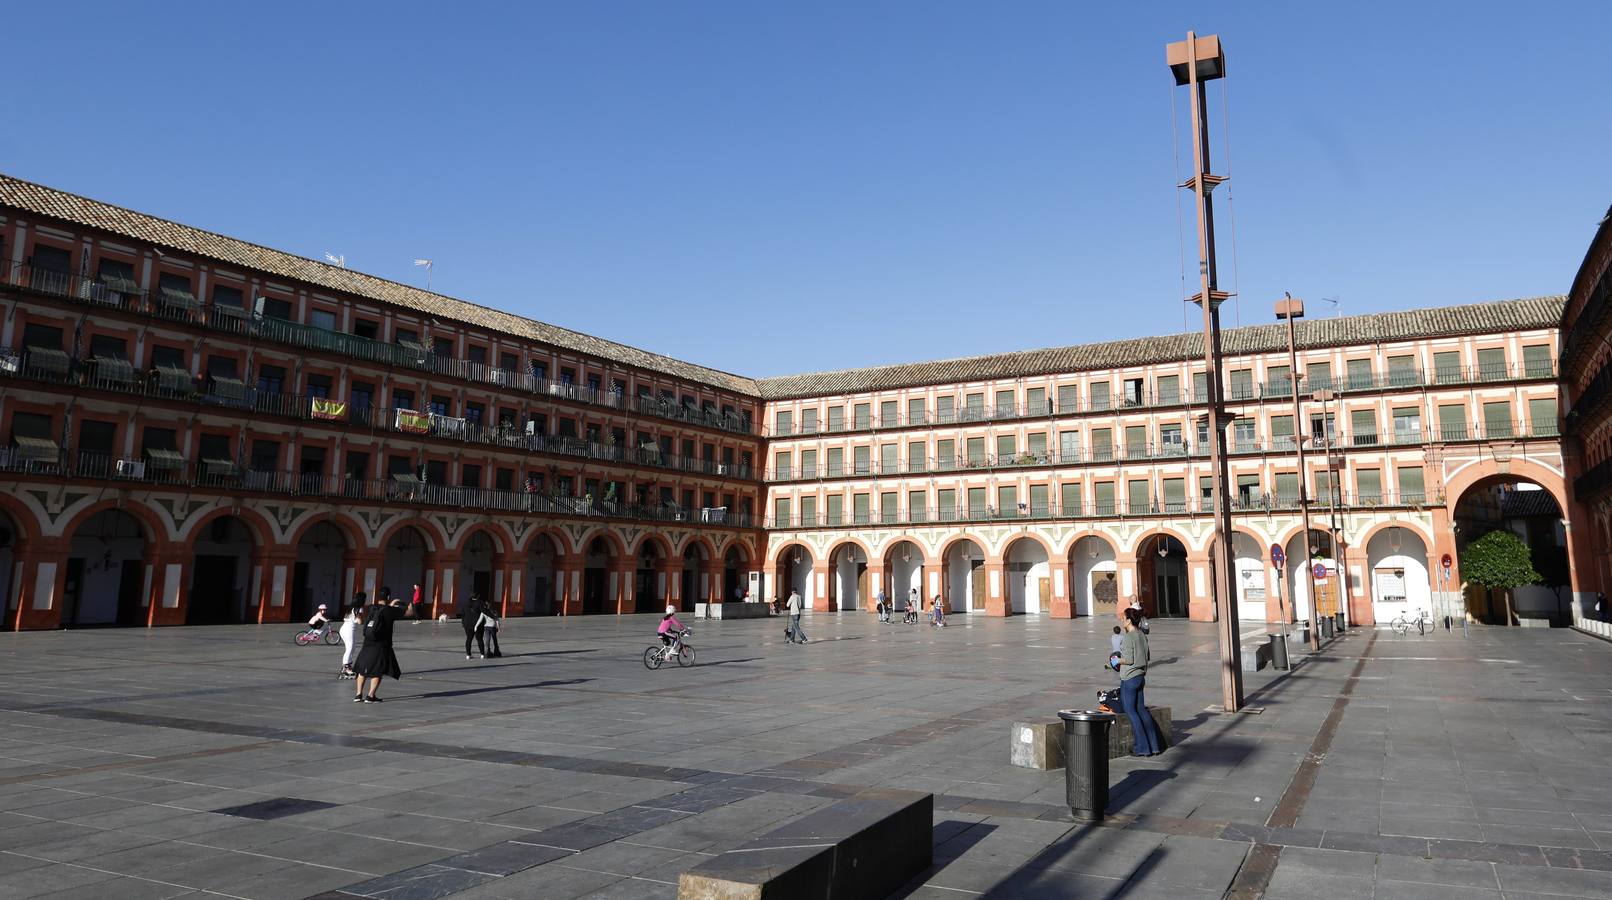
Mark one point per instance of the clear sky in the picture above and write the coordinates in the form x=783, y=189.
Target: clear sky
x=770, y=188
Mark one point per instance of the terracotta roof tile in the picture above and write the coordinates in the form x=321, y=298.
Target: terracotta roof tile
x=36, y=199
x=1477, y=318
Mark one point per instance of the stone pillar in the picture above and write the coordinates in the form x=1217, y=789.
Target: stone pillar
x=443, y=569
x=711, y=576
x=668, y=579
x=362, y=572
x=824, y=587
x=1126, y=576
x=40, y=568
x=275, y=567
x=568, y=580
x=621, y=575
x=996, y=601
x=169, y=582
x=1063, y=605
x=1201, y=588
x=513, y=588
x=878, y=581
x=1360, y=610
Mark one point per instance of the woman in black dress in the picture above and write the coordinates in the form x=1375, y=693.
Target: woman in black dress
x=377, y=660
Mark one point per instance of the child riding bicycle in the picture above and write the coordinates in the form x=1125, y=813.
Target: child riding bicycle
x=670, y=629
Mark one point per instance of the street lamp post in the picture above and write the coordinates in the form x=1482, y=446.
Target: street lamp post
x=1193, y=62
x=1291, y=308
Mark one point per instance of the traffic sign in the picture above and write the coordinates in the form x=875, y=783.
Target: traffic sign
x=1277, y=556
x=1445, y=561
x=1320, y=571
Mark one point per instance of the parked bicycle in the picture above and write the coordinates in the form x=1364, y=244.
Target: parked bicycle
x=678, y=649
x=1423, y=623
x=313, y=635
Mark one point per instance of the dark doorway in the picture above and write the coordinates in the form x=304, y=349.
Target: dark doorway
x=481, y=584
x=213, y=598
x=593, y=590
x=301, y=595
x=73, y=591
x=131, y=580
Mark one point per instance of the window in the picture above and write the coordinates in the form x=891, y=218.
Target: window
x=1136, y=442
x=1175, y=495
x=860, y=457
x=265, y=456
x=1007, y=500
x=808, y=510
x=438, y=405
x=836, y=462
x=889, y=414
x=274, y=308
x=1411, y=490
x=834, y=512
x=836, y=419
x=475, y=413
x=783, y=422
x=1368, y=486
x=808, y=463
x=175, y=289
x=442, y=347
x=1068, y=398
x=1281, y=432
x=1542, y=417
x=1169, y=389
x=946, y=505
x=1359, y=374
x=1103, y=498
x=1099, y=395
x=888, y=459
x=469, y=476
x=569, y=376
x=1036, y=445
x=119, y=276
x=976, y=451
x=1070, y=498
x=1242, y=385
x=406, y=336
x=1497, y=419
x=97, y=437
x=319, y=386
x=322, y=318
x=568, y=429
x=1318, y=376
x=976, y=503
x=1325, y=491
x=862, y=416
x=808, y=420
x=226, y=296
x=1402, y=371
x=1069, y=445
x=1247, y=494
x=366, y=329
x=1170, y=441
x=42, y=337
x=1005, y=451
x=1035, y=402
x=974, y=407
x=915, y=456
x=1200, y=387
x=402, y=399
x=783, y=465
x=945, y=410
x=780, y=511
x=1287, y=488
x=1102, y=444
x=1005, y=406
x=477, y=355
x=916, y=501
x=540, y=372
x=1363, y=427
x=1324, y=428
x=1452, y=422
x=1536, y=361
x=889, y=503
x=504, y=480
x=270, y=379
x=1447, y=367
x=1492, y=364
x=1408, y=425
x=1133, y=392
x=104, y=346
x=1243, y=438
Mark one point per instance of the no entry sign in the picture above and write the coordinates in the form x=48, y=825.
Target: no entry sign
x=1445, y=561
x=1277, y=556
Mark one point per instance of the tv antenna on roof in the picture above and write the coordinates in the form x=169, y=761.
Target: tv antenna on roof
x=338, y=260
x=427, y=264
x=1337, y=305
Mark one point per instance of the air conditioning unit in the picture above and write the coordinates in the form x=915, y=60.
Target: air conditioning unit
x=131, y=468
x=531, y=427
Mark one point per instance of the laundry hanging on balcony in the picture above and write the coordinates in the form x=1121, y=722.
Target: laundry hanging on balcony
x=448, y=425
x=412, y=422
x=326, y=408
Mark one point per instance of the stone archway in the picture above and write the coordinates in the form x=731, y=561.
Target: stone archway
x=599, y=556
x=651, y=563
x=106, y=572
x=793, y=570
x=848, y=577
x=1302, y=558
x=481, y=556
x=403, y=562
x=1161, y=577
x=962, y=576
x=696, y=560
x=904, y=565
x=1027, y=577
x=316, y=576
x=735, y=574
x=1397, y=574
x=1094, y=577
x=1532, y=512
x=222, y=573
x=542, y=555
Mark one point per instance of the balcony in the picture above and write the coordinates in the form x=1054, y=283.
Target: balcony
x=1100, y=509
x=180, y=307
x=166, y=468
x=179, y=385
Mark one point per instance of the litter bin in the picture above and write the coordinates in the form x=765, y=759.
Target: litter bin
x=1338, y=623
x=1085, y=761
x=1326, y=628
x=1278, y=651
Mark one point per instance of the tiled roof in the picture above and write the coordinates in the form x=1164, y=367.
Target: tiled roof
x=1477, y=318
x=39, y=200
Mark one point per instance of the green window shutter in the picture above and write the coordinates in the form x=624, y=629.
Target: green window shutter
x=1103, y=497
x=1099, y=395
x=1536, y=361
x=836, y=462
x=784, y=468
x=808, y=463
x=1497, y=419
x=1287, y=488
x=783, y=422
x=1070, y=500
x=1359, y=374
x=1136, y=493
x=808, y=511
x=945, y=504
x=859, y=508
x=1200, y=387
x=1402, y=371
x=1004, y=448
x=1492, y=364
x=861, y=457
x=1005, y=405
x=1452, y=422
x=1007, y=500
x=808, y=420
x=1318, y=376
x=1035, y=402
x=1102, y=444
x=1038, y=500
x=1175, y=495
x=887, y=459
x=976, y=451
x=1368, y=487
x=1363, y=427
x=1068, y=398
x=836, y=418
x=780, y=512
x=1447, y=367
x=889, y=414
x=976, y=502
x=888, y=504
x=1136, y=441
x=945, y=454
x=1168, y=388
x=945, y=410
x=915, y=457
x=1036, y=443
x=835, y=511
x=863, y=416
x=915, y=411
x=1542, y=417
x=1411, y=489
x=916, y=501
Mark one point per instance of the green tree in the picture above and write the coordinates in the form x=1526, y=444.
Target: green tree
x=1498, y=560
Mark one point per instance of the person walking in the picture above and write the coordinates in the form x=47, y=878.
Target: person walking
x=794, y=634
x=417, y=604
x=1133, y=662
x=377, y=659
x=490, y=625
x=349, y=634
x=881, y=605
x=914, y=601
x=470, y=618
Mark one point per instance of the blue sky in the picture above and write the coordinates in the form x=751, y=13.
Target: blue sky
x=771, y=188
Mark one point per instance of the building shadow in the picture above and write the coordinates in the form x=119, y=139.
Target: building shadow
x=466, y=692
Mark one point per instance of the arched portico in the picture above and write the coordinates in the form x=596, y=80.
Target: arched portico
x=1027, y=577
x=963, y=576
x=1161, y=575
x=793, y=574
x=905, y=566
x=1093, y=576
x=848, y=577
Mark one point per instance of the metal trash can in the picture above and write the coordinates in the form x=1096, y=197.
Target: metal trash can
x=1085, y=761
x=1326, y=628
x=1339, y=625
x=1278, y=651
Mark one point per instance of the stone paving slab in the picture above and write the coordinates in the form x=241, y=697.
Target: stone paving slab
x=228, y=762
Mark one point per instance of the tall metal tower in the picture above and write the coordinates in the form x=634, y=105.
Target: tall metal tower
x=1195, y=61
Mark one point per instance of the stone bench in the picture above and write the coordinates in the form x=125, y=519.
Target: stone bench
x=735, y=610
x=1121, y=739
x=1256, y=656
x=865, y=846
x=1036, y=745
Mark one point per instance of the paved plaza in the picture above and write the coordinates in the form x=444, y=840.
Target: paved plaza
x=202, y=762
